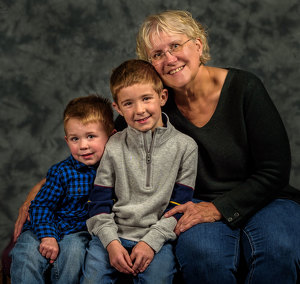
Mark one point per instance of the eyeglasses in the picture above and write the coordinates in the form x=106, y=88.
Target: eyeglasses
x=159, y=56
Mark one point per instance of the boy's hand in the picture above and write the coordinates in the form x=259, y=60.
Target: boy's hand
x=142, y=255
x=119, y=257
x=49, y=248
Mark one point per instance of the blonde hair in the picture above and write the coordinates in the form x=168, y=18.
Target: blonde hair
x=171, y=21
x=89, y=109
x=131, y=72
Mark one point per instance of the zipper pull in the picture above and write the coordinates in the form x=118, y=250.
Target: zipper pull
x=148, y=158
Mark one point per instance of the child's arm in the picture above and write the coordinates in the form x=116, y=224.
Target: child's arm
x=49, y=248
x=119, y=257
x=163, y=230
x=23, y=211
x=42, y=208
x=101, y=222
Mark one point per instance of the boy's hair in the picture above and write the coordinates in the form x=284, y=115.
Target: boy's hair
x=171, y=21
x=91, y=108
x=131, y=72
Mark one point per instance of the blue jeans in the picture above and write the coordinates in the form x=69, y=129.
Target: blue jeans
x=29, y=266
x=269, y=243
x=97, y=268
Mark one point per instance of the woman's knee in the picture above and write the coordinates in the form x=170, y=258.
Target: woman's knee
x=209, y=249
x=273, y=232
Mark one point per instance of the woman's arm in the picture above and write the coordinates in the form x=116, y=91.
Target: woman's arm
x=265, y=152
x=23, y=211
x=269, y=156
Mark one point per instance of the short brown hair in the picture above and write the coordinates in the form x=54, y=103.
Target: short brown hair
x=131, y=72
x=92, y=108
x=171, y=21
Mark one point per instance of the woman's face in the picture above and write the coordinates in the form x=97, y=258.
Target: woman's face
x=179, y=70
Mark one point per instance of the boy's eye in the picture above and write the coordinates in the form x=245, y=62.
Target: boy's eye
x=91, y=136
x=146, y=98
x=74, y=139
x=127, y=104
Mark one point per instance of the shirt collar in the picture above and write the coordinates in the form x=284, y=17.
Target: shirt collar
x=78, y=165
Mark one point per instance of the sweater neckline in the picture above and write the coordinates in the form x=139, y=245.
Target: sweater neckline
x=219, y=106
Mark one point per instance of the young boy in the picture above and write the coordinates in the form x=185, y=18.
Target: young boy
x=146, y=170
x=56, y=233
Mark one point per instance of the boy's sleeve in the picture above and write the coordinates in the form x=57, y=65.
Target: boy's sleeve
x=42, y=207
x=183, y=191
x=101, y=222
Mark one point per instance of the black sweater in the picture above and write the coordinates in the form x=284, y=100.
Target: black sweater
x=244, y=155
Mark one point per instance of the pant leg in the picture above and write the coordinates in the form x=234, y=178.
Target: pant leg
x=67, y=268
x=97, y=268
x=28, y=265
x=271, y=243
x=161, y=269
x=209, y=253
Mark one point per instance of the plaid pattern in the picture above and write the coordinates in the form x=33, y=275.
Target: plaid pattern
x=60, y=207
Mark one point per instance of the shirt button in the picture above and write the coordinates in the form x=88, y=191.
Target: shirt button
x=78, y=190
x=229, y=219
x=236, y=214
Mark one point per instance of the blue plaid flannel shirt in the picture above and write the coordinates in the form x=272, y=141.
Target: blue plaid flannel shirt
x=60, y=207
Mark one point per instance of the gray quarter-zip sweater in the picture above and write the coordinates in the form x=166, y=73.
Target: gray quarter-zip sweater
x=146, y=173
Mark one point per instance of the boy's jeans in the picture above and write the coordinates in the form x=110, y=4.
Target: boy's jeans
x=269, y=242
x=97, y=268
x=29, y=266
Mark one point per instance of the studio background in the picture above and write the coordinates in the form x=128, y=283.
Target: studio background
x=52, y=51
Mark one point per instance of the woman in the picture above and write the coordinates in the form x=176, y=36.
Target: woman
x=244, y=161
x=242, y=208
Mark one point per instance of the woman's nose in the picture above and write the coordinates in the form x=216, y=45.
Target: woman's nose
x=169, y=57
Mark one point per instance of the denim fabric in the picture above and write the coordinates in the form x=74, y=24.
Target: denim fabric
x=29, y=266
x=269, y=242
x=97, y=268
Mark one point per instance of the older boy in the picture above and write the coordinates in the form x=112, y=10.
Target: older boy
x=56, y=233
x=147, y=169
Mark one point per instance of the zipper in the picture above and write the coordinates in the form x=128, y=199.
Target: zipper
x=149, y=157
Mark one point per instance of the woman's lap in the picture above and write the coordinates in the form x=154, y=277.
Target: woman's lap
x=208, y=251
x=271, y=243
x=211, y=251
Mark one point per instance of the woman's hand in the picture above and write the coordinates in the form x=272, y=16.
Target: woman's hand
x=22, y=217
x=23, y=211
x=194, y=213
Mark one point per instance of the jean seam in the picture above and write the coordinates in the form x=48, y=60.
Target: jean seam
x=237, y=251
x=252, y=267
x=56, y=271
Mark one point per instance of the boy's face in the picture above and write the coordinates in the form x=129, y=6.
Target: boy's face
x=86, y=142
x=141, y=106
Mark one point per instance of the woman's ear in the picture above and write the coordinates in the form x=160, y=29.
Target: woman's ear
x=163, y=97
x=116, y=107
x=199, y=45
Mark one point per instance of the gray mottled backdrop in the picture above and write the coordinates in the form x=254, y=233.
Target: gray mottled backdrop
x=54, y=50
